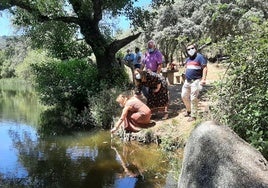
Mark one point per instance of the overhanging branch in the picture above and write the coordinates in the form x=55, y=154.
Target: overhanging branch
x=118, y=44
x=34, y=11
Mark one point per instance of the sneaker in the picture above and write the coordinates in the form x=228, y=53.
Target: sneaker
x=187, y=114
x=165, y=117
x=151, y=124
x=191, y=119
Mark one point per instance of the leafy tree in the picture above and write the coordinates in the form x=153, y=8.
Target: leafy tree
x=197, y=21
x=167, y=38
x=87, y=16
x=23, y=69
x=76, y=98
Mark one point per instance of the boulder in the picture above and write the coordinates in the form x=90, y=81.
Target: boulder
x=214, y=156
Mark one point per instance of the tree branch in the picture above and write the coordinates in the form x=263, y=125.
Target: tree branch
x=4, y=6
x=118, y=44
x=97, y=4
x=76, y=4
x=34, y=11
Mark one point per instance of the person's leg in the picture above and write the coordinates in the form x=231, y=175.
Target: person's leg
x=195, y=88
x=166, y=108
x=165, y=113
x=137, y=121
x=185, y=95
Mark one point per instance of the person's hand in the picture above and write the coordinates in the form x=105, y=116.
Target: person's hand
x=155, y=90
x=113, y=130
x=203, y=82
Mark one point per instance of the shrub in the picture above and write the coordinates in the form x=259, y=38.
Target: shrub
x=243, y=95
x=78, y=98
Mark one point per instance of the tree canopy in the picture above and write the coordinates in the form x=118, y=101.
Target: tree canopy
x=203, y=21
x=63, y=22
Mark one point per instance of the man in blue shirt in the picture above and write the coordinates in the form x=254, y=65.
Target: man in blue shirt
x=195, y=78
x=137, y=59
x=130, y=57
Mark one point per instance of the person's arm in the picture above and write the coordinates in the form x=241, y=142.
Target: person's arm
x=121, y=119
x=120, y=159
x=204, y=77
x=139, y=59
x=158, y=87
x=159, y=67
x=143, y=61
x=159, y=57
x=205, y=70
x=126, y=57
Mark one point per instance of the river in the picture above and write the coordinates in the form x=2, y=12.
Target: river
x=83, y=159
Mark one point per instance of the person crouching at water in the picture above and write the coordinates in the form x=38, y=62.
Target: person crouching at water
x=135, y=114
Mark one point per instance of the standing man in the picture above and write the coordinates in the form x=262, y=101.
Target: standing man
x=196, y=73
x=129, y=58
x=137, y=59
x=153, y=58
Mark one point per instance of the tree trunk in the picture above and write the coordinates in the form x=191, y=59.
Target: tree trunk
x=103, y=50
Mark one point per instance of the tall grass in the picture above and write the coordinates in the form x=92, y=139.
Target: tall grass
x=15, y=84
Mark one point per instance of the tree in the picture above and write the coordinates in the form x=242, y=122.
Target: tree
x=87, y=16
x=194, y=21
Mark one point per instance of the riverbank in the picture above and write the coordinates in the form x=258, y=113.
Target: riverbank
x=173, y=132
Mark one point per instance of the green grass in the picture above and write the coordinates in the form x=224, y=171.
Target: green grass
x=15, y=84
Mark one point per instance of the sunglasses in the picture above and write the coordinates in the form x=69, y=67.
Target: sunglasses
x=190, y=48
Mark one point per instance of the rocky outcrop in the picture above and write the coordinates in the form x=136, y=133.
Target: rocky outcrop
x=215, y=156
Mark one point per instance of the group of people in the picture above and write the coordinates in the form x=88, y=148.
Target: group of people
x=153, y=86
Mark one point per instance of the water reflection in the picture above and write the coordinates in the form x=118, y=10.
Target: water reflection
x=20, y=106
x=79, y=160
x=10, y=165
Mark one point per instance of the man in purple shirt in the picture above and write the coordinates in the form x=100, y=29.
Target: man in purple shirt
x=153, y=58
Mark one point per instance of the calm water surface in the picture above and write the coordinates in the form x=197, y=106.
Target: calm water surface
x=93, y=160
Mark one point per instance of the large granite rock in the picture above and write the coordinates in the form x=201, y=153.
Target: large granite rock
x=215, y=157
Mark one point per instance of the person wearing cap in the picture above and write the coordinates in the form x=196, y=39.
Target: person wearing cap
x=195, y=78
x=153, y=58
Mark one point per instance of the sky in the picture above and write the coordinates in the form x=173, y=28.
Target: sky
x=6, y=28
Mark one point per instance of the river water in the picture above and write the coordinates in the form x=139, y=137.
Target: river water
x=84, y=159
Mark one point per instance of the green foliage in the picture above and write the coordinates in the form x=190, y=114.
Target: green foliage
x=59, y=120
x=59, y=40
x=66, y=83
x=8, y=69
x=243, y=96
x=12, y=54
x=15, y=84
x=78, y=98
x=104, y=107
x=24, y=70
x=195, y=20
